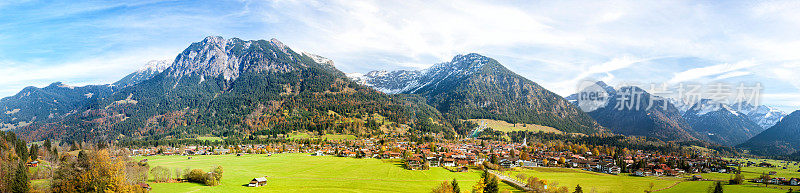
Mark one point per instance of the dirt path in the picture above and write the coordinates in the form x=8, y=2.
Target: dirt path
x=668, y=187
x=510, y=180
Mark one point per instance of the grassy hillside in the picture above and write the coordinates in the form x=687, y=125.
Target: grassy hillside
x=499, y=125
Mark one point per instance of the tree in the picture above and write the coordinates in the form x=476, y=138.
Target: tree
x=717, y=188
x=736, y=179
x=91, y=171
x=196, y=175
x=21, y=183
x=160, y=174
x=578, y=189
x=765, y=178
x=444, y=187
x=34, y=152
x=479, y=186
x=491, y=184
x=210, y=179
x=217, y=172
x=456, y=189
x=47, y=144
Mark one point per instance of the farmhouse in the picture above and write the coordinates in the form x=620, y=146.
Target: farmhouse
x=256, y=182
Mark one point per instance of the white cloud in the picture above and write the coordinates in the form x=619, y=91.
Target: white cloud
x=704, y=72
x=555, y=43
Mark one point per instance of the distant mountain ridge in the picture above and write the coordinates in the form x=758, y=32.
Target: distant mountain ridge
x=763, y=115
x=149, y=70
x=56, y=100
x=631, y=115
x=721, y=122
x=475, y=86
x=781, y=139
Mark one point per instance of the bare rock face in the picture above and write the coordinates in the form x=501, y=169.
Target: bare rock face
x=216, y=56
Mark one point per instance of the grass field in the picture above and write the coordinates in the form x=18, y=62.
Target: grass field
x=209, y=138
x=304, y=135
x=596, y=181
x=303, y=173
x=624, y=183
x=499, y=125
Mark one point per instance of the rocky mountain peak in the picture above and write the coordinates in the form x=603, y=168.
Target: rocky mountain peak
x=217, y=56
x=155, y=66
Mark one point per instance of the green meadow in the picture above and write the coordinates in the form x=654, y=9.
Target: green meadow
x=612, y=183
x=303, y=173
x=598, y=182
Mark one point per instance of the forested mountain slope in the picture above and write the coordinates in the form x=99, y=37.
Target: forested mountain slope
x=232, y=87
x=475, y=86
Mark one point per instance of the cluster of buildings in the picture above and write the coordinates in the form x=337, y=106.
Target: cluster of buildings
x=465, y=153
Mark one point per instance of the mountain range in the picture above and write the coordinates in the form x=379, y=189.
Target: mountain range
x=721, y=123
x=674, y=120
x=640, y=115
x=473, y=86
x=234, y=87
x=781, y=139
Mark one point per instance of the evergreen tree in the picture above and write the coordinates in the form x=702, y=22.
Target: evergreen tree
x=491, y=184
x=47, y=144
x=456, y=189
x=21, y=183
x=34, y=152
x=717, y=187
x=578, y=189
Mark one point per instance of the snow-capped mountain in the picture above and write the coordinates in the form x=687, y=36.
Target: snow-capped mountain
x=661, y=121
x=722, y=123
x=763, y=115
x=146, y=72
x=388, y=82
x=411, y=81
x=781, y=139
x=475, y=86
x=681, y=105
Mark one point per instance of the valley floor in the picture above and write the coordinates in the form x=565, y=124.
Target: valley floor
x=304, y=173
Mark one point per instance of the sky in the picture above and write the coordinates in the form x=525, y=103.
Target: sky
x=554, y=43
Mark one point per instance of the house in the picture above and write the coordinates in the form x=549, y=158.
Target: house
x=221, y=151
x=528, y=164
x=642, y=173
x=449, y=162
x=33, y=164
x=611, y=168
x=506, y=163
x=794, y=181
x=658, y=172
x=256, y=182
x=414, y=163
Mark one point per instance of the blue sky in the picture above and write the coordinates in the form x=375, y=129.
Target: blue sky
x=554, y=43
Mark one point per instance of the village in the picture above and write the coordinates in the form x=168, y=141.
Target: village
x=483, y=154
